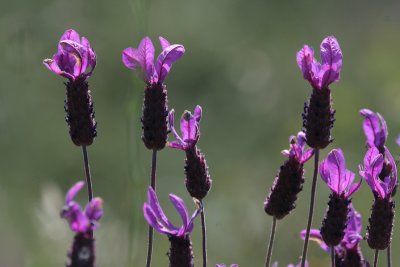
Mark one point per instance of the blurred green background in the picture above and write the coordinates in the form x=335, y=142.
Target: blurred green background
x=239, y=66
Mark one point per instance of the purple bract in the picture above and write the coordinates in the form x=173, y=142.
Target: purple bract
x=321, y=75
x=143, y=58
x=373, y=164
x=190, y=129
x=334, y=173
x=223, y=265
x=81, y=221
x=375, y=128
x=275, y=264
x=297, y=148
x=352, y=236
x=155, y=216
x=74, y=58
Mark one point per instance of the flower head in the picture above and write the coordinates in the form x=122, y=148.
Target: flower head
x=155, y=216
x=143, y=58
x=373, y=164
x=334, y=173
x=321, y=75
x=375, y=128
x=81, y=221
x=74, y=58
x=297, y=148
x=352, y=236
x=190, y=129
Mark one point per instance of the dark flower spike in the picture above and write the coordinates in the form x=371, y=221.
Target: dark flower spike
x=155, y=216
x=373, y=164
x=143, y=58
x=375, y=129
x=190, y=129
x=321, y=75
x=348, y=252
x=334, y=173
x=289, y=180
x=74, y=58
x=275, y=264
x=83, y=223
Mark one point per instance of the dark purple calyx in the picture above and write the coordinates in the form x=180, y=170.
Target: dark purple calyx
x=181, y=252
x=379, y=230
x=198, y=181
x=318, y=118
x=82, y=253
x=154, y=118
x=335, y=221
x=80, y=113
x=283, y=195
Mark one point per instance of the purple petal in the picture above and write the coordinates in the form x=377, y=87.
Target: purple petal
x=220, y=265
x=398, y=140
x=164, y=43
x=333, y=171
x=188, y=127
x=146, y=58
x=78, y=222
x=305, y=60
x=94, y=209
x=373, y=163
x=73, y=191
x=71, y=35
x=171, y=121
x=176, y=145
x=191, y=222
x=285, y=152
x=348, y=180
x=74, y=50
x=155, y=206
x=197, y=113
x=275, y=264
x=307, y=155
x=371, y=126
x=315, y=235
x=180, y=207
x=152, y=220
x=90, y=57
x=165, y=60
x=301, y=139
x=354, y=188
x=393, y=175
x=131, y=58
x=331, y=56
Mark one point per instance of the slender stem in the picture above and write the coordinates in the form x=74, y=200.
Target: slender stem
x=333, y=256
x=271, y=243
x=87, y=172
x=376, y=258
x=153, y=185
x=204, y=234
x=311, y=211
x=389, y=256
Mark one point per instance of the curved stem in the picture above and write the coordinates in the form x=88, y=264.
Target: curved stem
x=87, y=172
x=376, y=258
x=153, y=185
x=271, y=243
x=311, y=211
x=333, y=256
x=389, y=256
x=204, y=234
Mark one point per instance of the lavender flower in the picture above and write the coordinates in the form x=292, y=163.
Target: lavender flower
x=155, y=106
x=76, y=61
x=198, y=181
x=181, y=253
x=375, y=129
x=83, y=223
x=381, y=221
x=275, y=264
x=318, y=116
x=348, y=252
x=223, y=265
x=289, y=181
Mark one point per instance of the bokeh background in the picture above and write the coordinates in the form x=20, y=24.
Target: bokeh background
x=239, y=66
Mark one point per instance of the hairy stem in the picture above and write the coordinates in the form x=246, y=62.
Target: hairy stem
x=153, y=185
x=204, y=234
x=87, y=172
x=311, y=211
x=271, y=243
x=376, y=258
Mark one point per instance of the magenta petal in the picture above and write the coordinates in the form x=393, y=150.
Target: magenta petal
x=180, y=207
x=307, y=155
x=331, y=56
x=71, y=35
x=371, y=126
x=306, y=62
x=94, y=209
x=146, y=52
x=74, y=191
x=176, y=144
x=164, y=43
x=74, y=50
x=165, y=60
x=188, y=127
x=315, y=235
x=393, y=175
x=131, y=58
x=151, y=219
x=354, y=188
x=155, y=206
x=191, y=222
x=197, y=113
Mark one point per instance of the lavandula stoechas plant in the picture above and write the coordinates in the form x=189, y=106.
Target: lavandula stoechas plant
x=379, y=230
x=318, y=116
x=82, y=223
x=180, y=253
x=76, y=60
x=340, y=181
x=155, y=104
x=198, y=181
x=348, y=251
x=288, y=183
